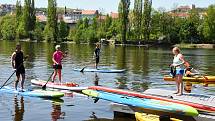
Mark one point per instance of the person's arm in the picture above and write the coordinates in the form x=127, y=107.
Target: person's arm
x=13, y=60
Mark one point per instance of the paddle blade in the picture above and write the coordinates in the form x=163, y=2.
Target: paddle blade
x=82, y=70
x=44, y=87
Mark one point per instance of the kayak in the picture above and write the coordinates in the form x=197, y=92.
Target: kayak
x=102, y=70
x=198, y=105
x=62, y=86
x=193, y=79
x=145, y=104
x=151, y=117
x=33, y=93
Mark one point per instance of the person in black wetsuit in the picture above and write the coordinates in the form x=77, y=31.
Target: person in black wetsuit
x=17, y=60
x=96, y=55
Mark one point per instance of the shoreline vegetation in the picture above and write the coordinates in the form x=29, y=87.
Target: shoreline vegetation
x=141, y=25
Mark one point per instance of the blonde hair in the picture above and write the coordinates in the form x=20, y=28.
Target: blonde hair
x=176, y=49
x=57, y=47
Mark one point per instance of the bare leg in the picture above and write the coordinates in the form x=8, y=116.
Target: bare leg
x=177, y=84
x=180, y=85
x=16, y=82
x=59, y=75
x=22, y=82
x=54, y=75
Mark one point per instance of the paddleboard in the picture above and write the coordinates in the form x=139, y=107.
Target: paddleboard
x=62, y=86
x=158, y=96
x=145, y=104
x=102, y=70
x=193, y=79
x=151, y=117
x=33, y=93
x=207, y=102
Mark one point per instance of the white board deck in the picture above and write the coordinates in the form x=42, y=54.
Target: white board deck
x=208, y=100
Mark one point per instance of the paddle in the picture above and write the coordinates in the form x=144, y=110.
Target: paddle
x=44, y=86
x=82, y=70
x=13, y=72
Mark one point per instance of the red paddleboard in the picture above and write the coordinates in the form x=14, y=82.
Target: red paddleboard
x=198, y=106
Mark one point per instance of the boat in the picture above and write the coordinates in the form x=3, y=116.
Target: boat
x=32, y=93
x=165, y=96
x=101, y=70
x=151, y=117
x=62, y=86
x=144, y=104
x=201, y=79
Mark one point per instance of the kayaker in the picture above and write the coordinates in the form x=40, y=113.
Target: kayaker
x=96, y=55
x=17, y=60
x=178, y=64
x=57, y=57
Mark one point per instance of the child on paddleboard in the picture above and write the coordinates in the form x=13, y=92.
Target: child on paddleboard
x=57, y=57
x=17, y=60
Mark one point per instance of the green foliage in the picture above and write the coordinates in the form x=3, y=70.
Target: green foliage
x=51, y=29
x=38, y=30
x=7, y=27
x=63, y=30
x=209, y=24
x=123, y=10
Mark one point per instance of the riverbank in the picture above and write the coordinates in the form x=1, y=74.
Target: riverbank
x=207, y=46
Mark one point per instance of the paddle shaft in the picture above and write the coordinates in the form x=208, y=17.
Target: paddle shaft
x=11, y=75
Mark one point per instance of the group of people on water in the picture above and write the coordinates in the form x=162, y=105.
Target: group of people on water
x=18, y=58
x=181, y=67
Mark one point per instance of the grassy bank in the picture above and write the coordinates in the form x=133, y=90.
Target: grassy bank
x=209, y=46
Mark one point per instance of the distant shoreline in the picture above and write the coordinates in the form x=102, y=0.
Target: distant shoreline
x=207, y=46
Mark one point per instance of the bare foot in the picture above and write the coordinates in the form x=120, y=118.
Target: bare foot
x=179, y=94
x=176, y=92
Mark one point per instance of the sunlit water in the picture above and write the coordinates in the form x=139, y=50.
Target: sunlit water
x=145, y=69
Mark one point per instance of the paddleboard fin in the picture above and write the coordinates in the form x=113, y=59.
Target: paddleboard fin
x=96, y=100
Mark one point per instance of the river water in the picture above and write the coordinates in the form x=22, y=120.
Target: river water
x=145, y=69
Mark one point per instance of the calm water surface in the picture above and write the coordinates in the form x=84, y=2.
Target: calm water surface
x=145, y=69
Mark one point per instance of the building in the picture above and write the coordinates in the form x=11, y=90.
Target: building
x=6, y=8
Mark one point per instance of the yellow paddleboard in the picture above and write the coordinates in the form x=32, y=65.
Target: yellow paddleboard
x=150, y=117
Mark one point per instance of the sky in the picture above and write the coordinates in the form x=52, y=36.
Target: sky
x=108, y=6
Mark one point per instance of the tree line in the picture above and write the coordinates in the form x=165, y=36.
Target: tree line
x=141, y=24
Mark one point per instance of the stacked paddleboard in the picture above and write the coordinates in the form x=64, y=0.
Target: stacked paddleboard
x=33, y=93
x=143, y=103
x=200, y=102
x=62, y=86
x=150, y=117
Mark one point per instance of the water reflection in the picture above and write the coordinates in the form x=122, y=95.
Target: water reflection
x=96, y=82
x=56, y=112
x=18, y=108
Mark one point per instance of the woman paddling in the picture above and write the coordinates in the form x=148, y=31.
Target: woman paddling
x=58, y=55
x=178, y=64
x=17, y=60
x=96, y=55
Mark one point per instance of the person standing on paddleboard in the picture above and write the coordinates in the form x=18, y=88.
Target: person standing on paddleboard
x=97, y=55
x=57, y=56
x=178, y=64
x=17, y=60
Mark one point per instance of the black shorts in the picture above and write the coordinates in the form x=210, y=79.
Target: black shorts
x=20, y=70
x=97, y=60
x=55, y=66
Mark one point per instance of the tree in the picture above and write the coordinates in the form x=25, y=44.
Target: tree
x=18, y=12
x=123, y=10
x=209, y=24
x=63, y=29
x=147, y=19
x=8, y=27
x=137, y=20
x=51, y=29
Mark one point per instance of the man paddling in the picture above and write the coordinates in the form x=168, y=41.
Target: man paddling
x=17, y=60
x=96, y=55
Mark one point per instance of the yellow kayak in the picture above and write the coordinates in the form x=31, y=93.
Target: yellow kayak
x=150, y=117
x=201, y=79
